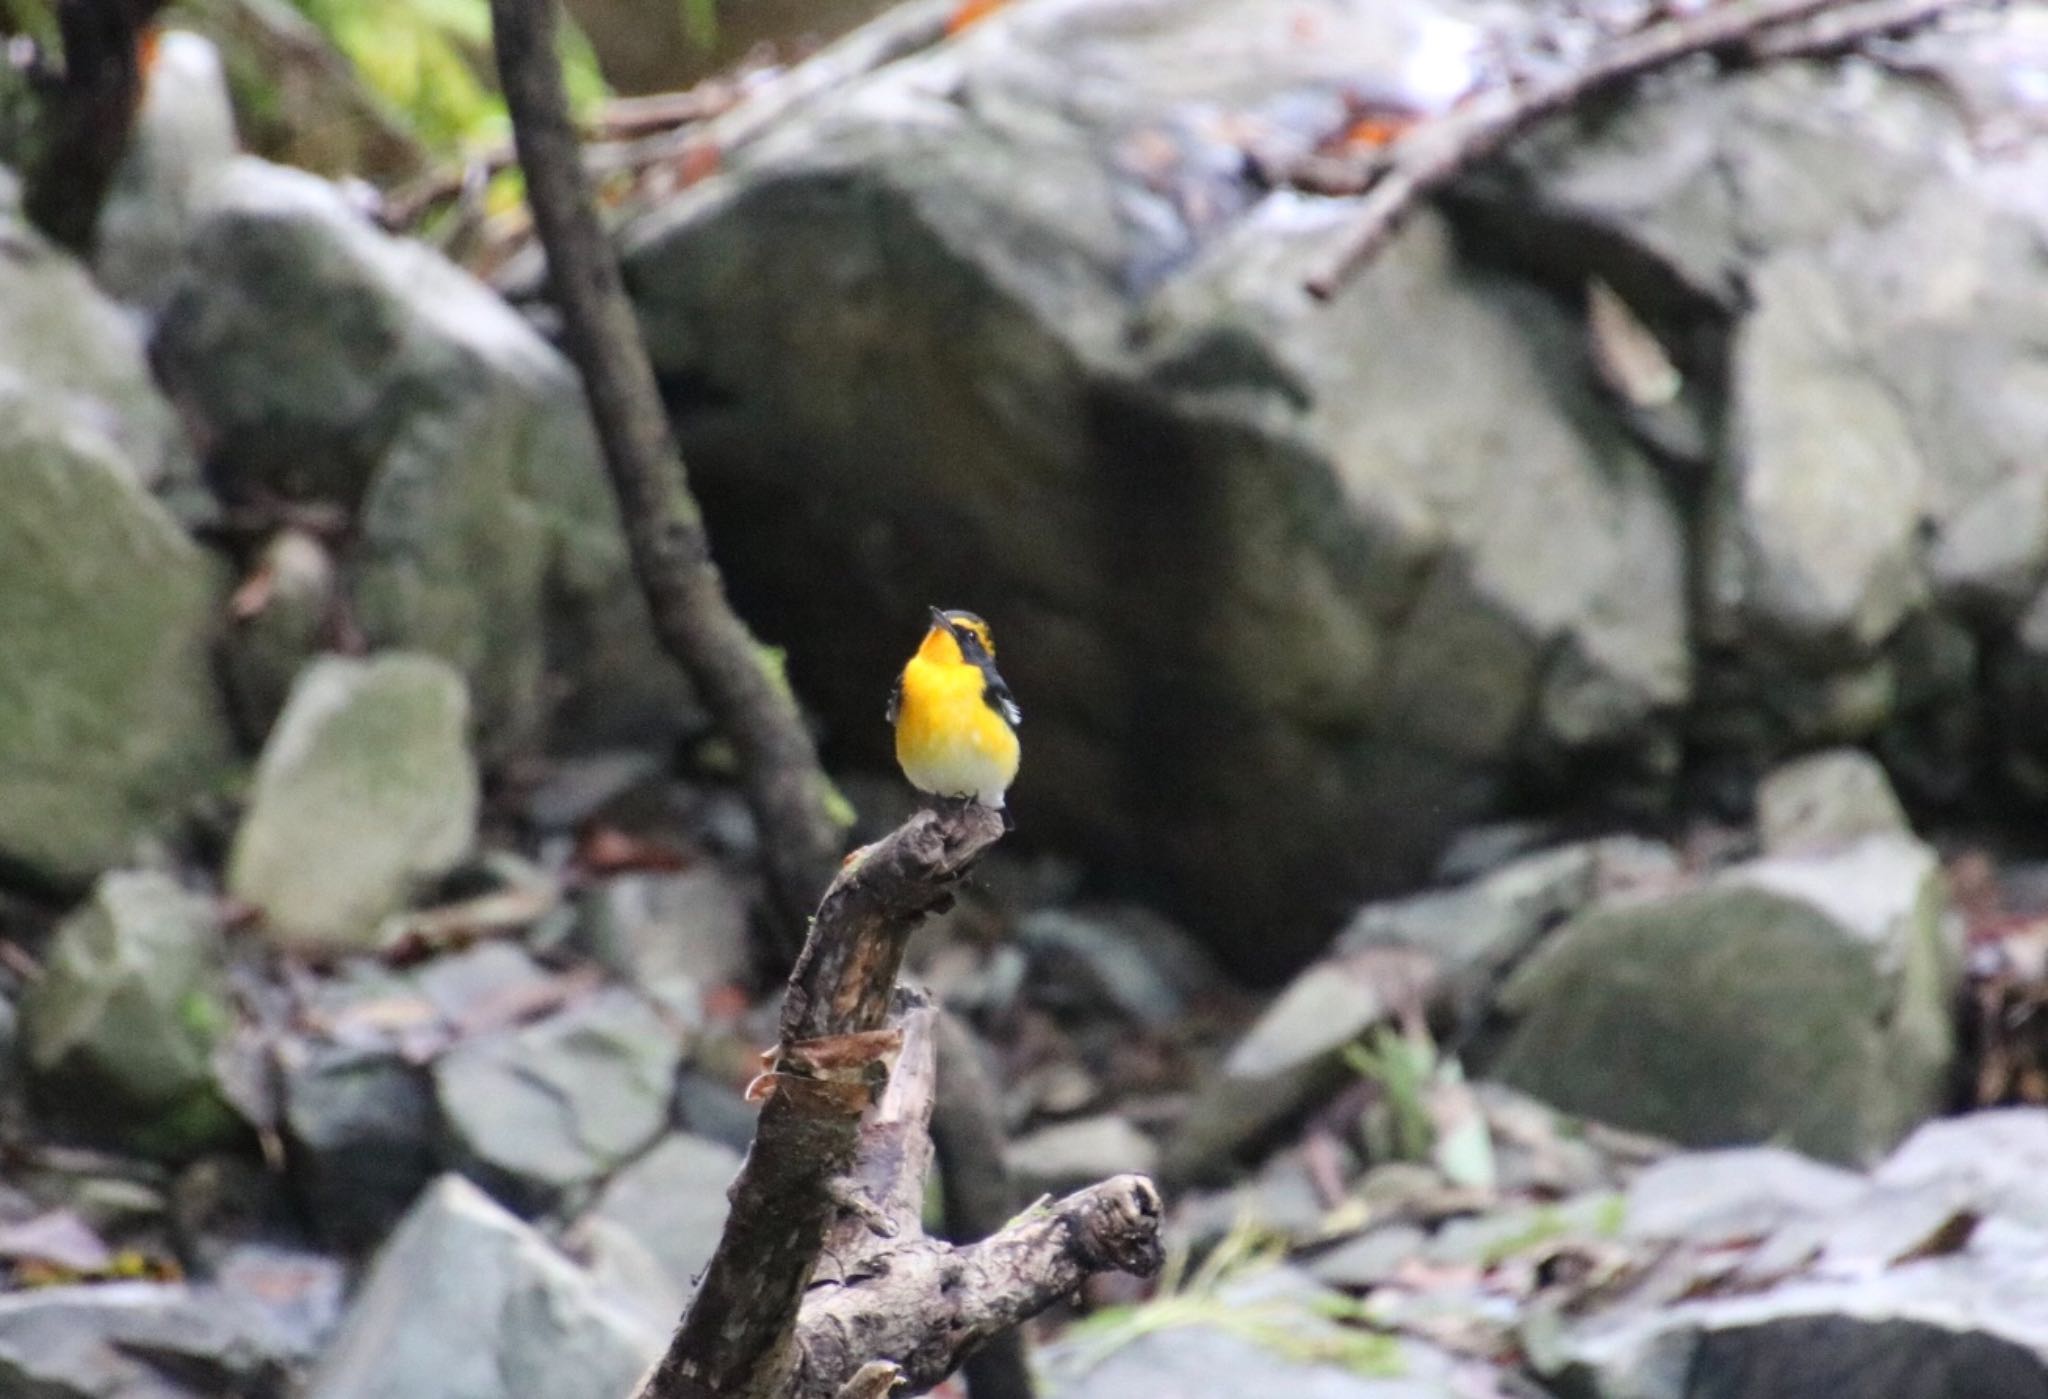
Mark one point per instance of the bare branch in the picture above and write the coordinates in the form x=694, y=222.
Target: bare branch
x=1440, y=149
x=1835, y=30
x=935, y=1303
x=736, y=678
x=734, y=1342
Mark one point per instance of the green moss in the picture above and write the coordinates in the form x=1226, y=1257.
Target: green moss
x=198, y=1124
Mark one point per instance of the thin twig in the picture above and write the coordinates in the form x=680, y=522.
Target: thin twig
x=1438, y=150
x=905, y=30
x=607, y=147
x=1836, y=30
x=738, y=680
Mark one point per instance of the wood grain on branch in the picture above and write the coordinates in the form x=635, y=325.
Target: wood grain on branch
x=1437, y=150
x=735, y=676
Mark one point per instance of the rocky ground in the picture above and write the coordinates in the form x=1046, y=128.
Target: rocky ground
x=379, y=974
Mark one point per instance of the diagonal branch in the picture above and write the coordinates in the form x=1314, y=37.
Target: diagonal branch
x=738, y=680
x=1438, y=150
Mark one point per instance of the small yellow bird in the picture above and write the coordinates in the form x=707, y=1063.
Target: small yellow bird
x=956, y=721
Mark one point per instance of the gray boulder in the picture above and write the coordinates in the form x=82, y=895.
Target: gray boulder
x=109, y=720
x=326, y=361
x=1869, y=266
x=1798, y=998
x=121, y=1028
x=365, y=790
x=465, y=1302
x=559, y=1104
x=1103, y=396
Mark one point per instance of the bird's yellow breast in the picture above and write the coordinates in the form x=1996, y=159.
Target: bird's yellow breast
x=949, y=740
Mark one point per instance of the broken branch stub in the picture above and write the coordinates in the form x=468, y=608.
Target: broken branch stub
x=735, y=1339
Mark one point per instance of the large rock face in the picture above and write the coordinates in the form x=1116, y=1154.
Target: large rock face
x=1007, y=326
x=324, y=361
x=1859, y=261
x=109, y=719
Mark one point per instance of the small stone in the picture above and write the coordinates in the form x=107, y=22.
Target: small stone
x=361, y=1125
x=676, y=936
x=365, y=791
x=560, y=1103
x=1128, y=958
x=121, y=1028
x=1999, y=1157
x=1068, y=1155
x=1827, y=800
x=1707, y=1196
x=1371, y=1259
x=127, y=1340
x=299, y=1293
x=466, y=1302
x=673, y=1202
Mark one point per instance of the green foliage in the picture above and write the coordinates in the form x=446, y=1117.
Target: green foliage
x=1286, y=1326
x=700, y=23
x=1425, y=1112
x=431, y=60
x=36, y=19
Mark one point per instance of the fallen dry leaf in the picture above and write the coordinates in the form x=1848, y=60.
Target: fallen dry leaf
x=1630, y=359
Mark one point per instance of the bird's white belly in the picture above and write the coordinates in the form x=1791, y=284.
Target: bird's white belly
x=959, y=769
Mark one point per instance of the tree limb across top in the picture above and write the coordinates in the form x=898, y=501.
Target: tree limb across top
x=1437, y=150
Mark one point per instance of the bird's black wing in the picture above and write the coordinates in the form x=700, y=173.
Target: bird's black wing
x=996, y=695
x=895, y=701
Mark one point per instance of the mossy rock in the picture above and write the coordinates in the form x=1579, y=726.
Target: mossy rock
x=120, y=1030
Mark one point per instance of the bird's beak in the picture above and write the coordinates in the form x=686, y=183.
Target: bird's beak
x=939, y=620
